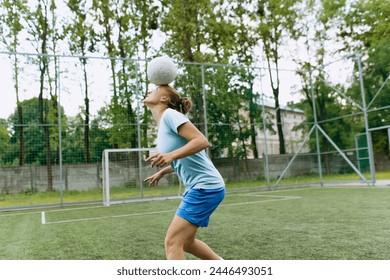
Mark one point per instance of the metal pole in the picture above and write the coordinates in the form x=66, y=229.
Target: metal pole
x=388, y=134
x=266, y=166
x=107, y=179
x=316, y=126
x=104, y=178
x=139, y=128
x=295, y=155
x=366, y=124
x=342, y=154
x=60, y=134
x=206, y=134
x=357, y=151
x=265, y=145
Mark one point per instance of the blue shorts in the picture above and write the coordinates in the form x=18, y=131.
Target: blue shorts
x=198, y=204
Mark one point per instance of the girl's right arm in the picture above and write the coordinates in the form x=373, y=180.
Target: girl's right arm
x=153, y=180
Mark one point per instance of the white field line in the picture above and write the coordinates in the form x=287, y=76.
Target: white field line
x=109, y=217
x=266, y=195
x=273, y=191
x=274, y=199
x=228, y=194
x=49, y=211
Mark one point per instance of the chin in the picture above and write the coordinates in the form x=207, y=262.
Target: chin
x=147, y=102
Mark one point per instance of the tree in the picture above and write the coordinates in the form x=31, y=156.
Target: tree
x=209, y=32
x=244, y=49
x=275, y=21
x=100, y=140
x=318, y=22
x=82, y=40
x=146, y=20
x=55, y=37
x=14, y=12
x=41, y=31
x=366, y=29
x=35, y=147
x=224, y=103
x=195, y=33
x=117, y=34
x=4, y=142
x=184, y=24
x=127, y=47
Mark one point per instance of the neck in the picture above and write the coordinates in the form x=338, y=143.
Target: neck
x=157, y=113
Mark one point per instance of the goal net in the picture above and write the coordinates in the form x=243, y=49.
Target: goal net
x=123, y=175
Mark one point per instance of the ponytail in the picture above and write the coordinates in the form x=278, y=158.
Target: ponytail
x=181, y=104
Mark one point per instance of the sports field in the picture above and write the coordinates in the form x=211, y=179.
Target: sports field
x=306, y=223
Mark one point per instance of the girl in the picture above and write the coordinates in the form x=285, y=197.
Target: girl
x=181, y=148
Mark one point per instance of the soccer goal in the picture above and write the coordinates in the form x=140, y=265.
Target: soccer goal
x=123, y=175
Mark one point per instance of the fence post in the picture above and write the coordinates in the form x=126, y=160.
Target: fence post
x=366, y=124
x=137, y=73
x=265, y=148
x=204, y=104
x=313, y=100
x=60, y=132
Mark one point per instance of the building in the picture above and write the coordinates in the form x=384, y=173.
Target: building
x=293, y=138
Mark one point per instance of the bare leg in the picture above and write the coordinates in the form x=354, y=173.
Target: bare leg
x=181, y=236
x=201, y=250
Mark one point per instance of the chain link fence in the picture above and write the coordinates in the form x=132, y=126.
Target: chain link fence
x=59, y=113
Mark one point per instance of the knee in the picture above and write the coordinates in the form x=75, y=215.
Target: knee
x=171, y=244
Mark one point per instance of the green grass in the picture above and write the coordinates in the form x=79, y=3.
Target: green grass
x=323, y=223
x=93, y=195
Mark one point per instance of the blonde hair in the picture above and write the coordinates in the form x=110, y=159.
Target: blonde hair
x=183, y=105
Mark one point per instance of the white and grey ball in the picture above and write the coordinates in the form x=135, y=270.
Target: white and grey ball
x=162, y=70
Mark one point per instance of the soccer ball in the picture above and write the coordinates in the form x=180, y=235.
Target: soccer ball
x=161, y=70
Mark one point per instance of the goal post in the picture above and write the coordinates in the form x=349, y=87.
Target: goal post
x=123, y=175
x=362, y=147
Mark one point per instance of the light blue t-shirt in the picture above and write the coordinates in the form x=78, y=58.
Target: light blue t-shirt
x=195, y=171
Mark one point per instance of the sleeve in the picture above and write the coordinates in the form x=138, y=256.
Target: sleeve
x=174, y=119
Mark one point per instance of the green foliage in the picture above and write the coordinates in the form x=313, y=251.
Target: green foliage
x=32, y=129
x=231, y=93
x=73, y=144
x=224, y=103
x=72, y=136
x=355, y=28
x=5, y=145
x=198, y=31
x=12, y=17
x=366, y=23
x=211, y=31
x=370, y=33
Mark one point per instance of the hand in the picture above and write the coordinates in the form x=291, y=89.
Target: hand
x=153, y=180
x=160, y=160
